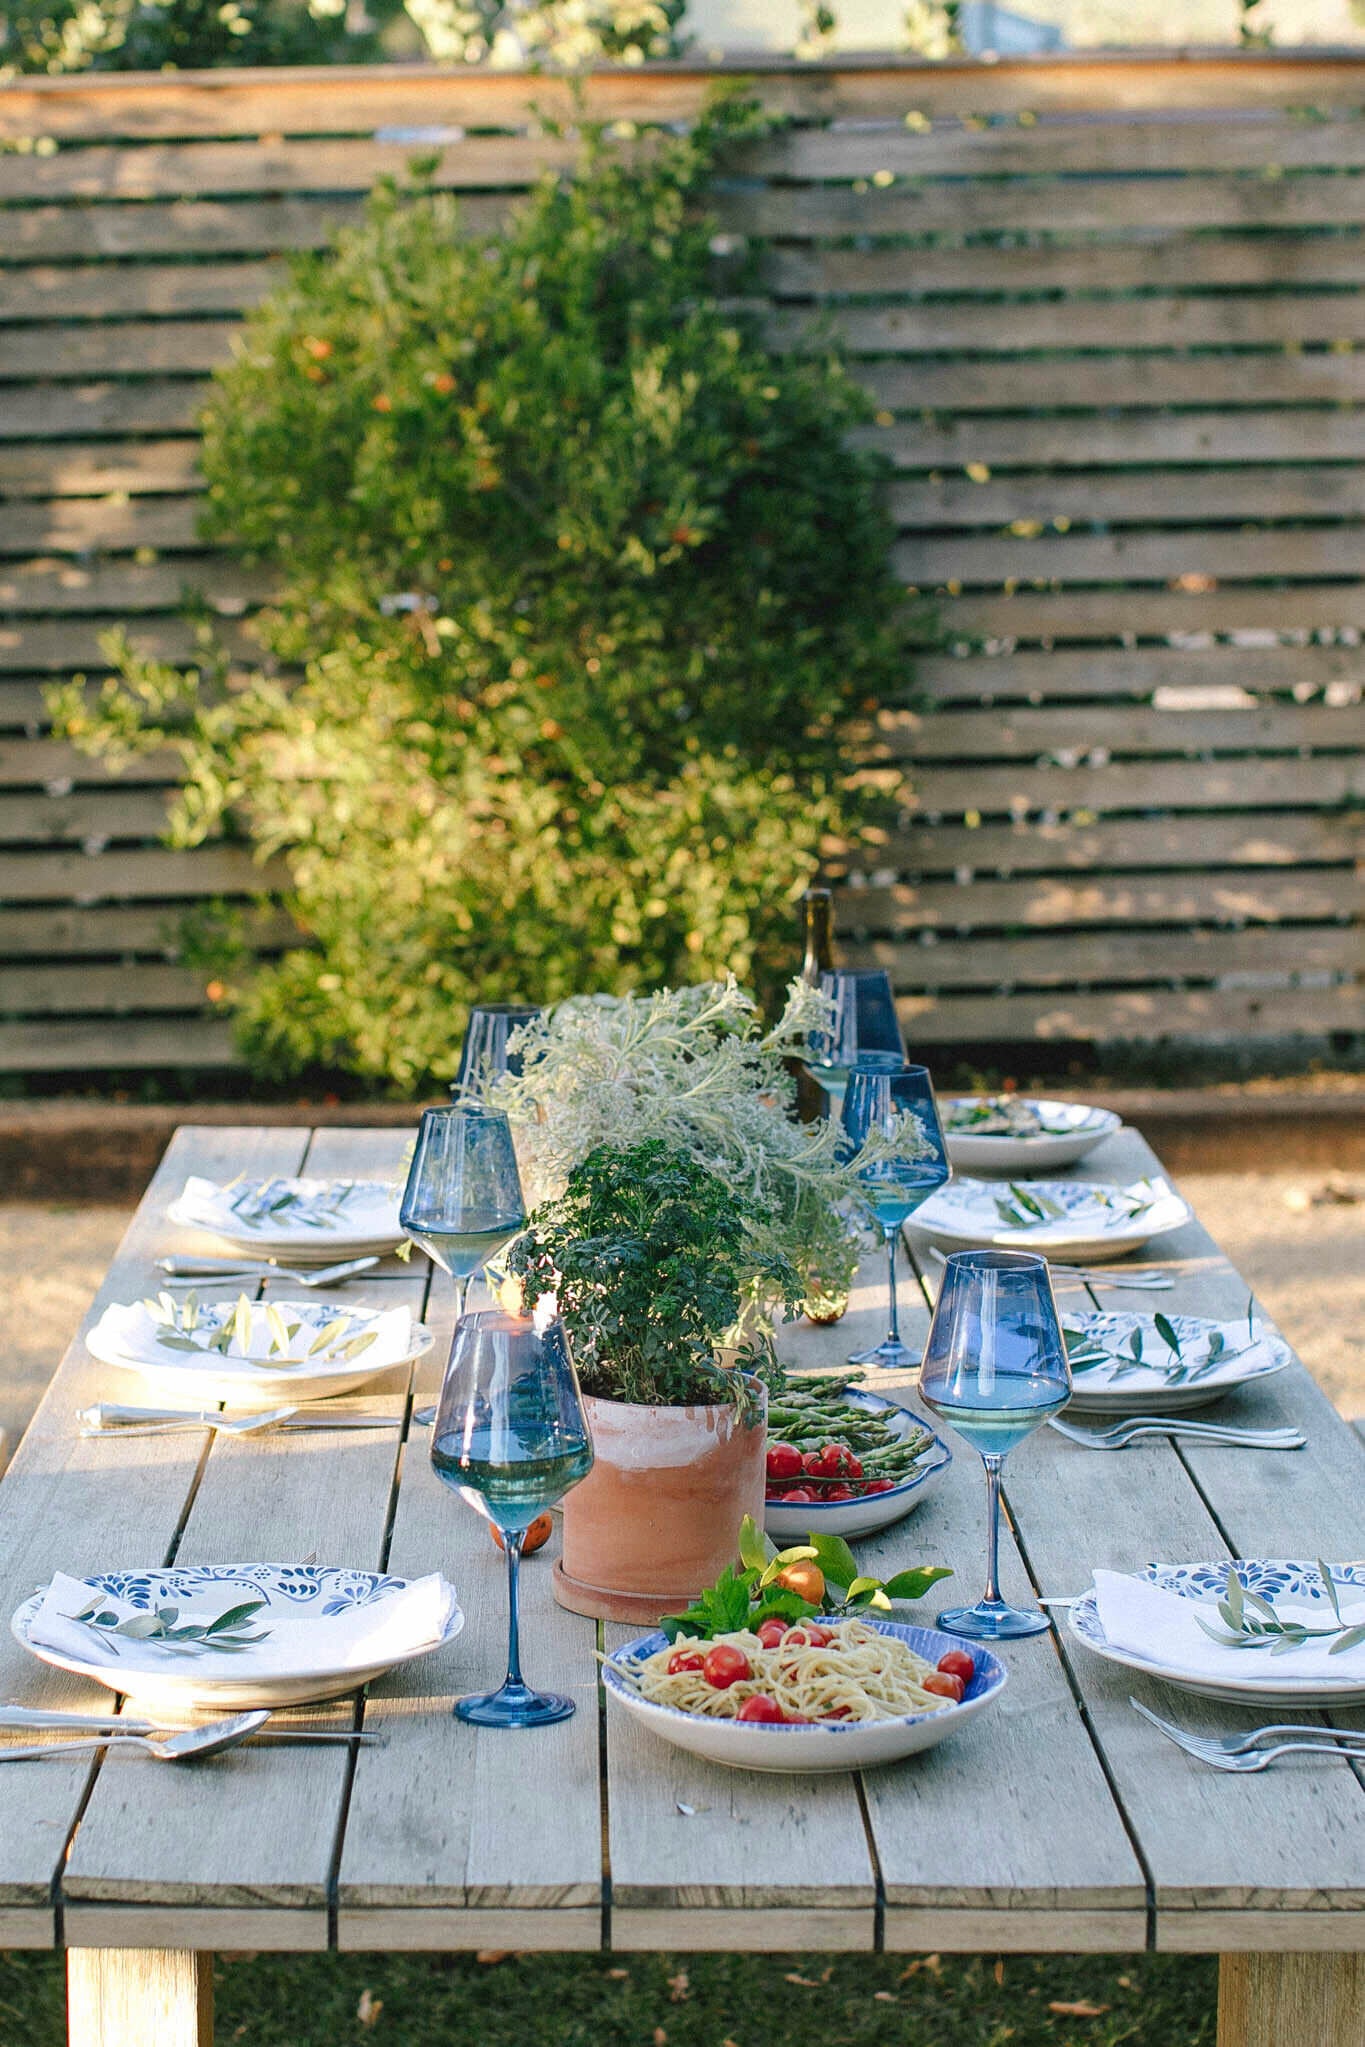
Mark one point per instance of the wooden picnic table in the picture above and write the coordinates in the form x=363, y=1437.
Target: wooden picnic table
x=1057, y=1822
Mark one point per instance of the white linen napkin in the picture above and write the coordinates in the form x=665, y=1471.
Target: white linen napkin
x=1149, y=1621
x=398, y=1624
x=133, y=1332
x=1124, y=1374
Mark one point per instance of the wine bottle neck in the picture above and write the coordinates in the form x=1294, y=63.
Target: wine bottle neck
x=819, y=913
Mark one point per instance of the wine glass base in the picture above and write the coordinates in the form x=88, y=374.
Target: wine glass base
x=514, y=1706
x=892, y=1357
x=992, y=1621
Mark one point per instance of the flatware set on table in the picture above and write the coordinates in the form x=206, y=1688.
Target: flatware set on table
x=103, y=1731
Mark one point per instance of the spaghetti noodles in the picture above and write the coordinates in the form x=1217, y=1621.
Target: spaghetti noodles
x=857, y=1673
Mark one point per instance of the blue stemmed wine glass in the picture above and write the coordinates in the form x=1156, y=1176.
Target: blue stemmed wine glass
x=863, y=1030
x=511, y=1438
x=899, y=1104
x=995, y=1368
x=484, y=1056
x=463, y=1199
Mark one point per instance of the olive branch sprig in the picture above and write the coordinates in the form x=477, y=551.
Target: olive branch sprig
x=1253, y=1623
x=164, y=1627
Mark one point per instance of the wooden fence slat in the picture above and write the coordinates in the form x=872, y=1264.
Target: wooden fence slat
x=1273, y=838
x=1220, y=320
x=129, y=347
x=1214, y=495
x=1056, y=902
x=1054, y=558
x=1103, y=958
x=328, y=99
x=97, y=469
x=157, y=872
x=104, y=1044
x=1244, y=783
x=1065, y=674
x=1139, y=439
x=1144, y=1015
x=1151, y=614
x=100, y=291
x=58, y=645
x=187, y=227
x=86, y=817
x=109, y=991
x=80, y=525
x=45, y=588
x=1025, y=734
x=161, y=405
x=1090, y=383
x=46, y=932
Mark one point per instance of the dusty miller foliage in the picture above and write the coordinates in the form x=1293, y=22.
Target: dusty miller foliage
x=579, y=585
x=694, y=1069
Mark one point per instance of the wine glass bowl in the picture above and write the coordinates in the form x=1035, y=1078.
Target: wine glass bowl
x=863, y=1029
x=995, y=1368
x=484, y=1056
x=896, y=1105
x=511, y=1437
x=463, y=1200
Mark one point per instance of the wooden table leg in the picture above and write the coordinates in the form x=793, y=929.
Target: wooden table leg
x=139, y=1997
x=1275, y=2000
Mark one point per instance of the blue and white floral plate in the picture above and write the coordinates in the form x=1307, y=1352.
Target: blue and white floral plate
x=832, y=1745
x=1083, y=1220
x=1110, y=1376
x=874, y=1510
x=1274, y=1578
x=176, y=1683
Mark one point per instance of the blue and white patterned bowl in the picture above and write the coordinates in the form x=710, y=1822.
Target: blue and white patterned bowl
x=833, y=1745
x=1274, y=1578
x=874, y=1510
x=1098, y=1221
x=1156, y=1391
x=175, y=1689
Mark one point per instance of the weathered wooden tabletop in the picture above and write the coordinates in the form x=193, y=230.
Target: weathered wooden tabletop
x=1058, y=1821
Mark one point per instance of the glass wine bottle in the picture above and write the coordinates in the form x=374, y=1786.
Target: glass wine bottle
x=817, y=908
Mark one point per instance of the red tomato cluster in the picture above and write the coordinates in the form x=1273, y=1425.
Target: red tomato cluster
x=836, y=1472
x=723, y=1665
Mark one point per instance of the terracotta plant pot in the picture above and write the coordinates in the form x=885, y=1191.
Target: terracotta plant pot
x=657, y=1518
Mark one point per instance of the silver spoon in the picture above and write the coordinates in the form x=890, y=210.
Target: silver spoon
x=171, y=1748
x=37, y=1719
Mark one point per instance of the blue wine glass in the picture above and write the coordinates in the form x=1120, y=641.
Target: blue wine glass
x=484, y=1056
x=863, y=1030
x=885, y=1100
x=463, y=1200
x=995, y=1368
x=511, y=1437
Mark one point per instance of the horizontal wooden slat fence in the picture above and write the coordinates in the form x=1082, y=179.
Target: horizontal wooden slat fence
x=1108, y=313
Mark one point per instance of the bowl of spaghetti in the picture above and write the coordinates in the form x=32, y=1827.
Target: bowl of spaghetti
x=849, y=1703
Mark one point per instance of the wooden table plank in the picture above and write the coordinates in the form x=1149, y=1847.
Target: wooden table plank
x=1236, y=1862
x=463, y=1837
x=65, y=1505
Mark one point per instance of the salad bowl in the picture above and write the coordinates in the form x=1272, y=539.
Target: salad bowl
x=1021, y=1133
x=870, y=1511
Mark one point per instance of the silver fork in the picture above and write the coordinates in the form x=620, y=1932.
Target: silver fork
x=218, y=1271
x=1147, y=1279
x=1122, y=1434
x=1215, y=1746
x=1238, y=1761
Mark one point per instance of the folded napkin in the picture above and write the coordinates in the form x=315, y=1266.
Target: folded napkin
x=290, y=1208
x=1151, y=1622
x=1239, y=1362
x=297, y=1640
x=279, y=1338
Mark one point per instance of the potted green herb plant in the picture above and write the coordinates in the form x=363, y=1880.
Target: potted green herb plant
x=652, y=1256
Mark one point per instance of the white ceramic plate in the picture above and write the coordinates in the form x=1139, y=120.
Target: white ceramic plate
x=1164, y=1382
x=126, y=1338
x=299, y=1221
x=862, y=1745
x=1273, y=1577
x=1073, y=1129
x=1097, y=1221
x=170, y=1686
x=874, y=1510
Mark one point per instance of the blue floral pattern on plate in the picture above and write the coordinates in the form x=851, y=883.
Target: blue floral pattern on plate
x=285, y=1588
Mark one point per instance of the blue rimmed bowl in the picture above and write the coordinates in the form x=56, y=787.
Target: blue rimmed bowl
x=871, y=1511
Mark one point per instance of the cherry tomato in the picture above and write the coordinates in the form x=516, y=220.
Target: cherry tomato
x=800, y=1496
x=771, y=1633
x=958, y=1663
x=536, y=1536
x=811, y=1461
x=807, y=1635
x=947, y=1686
x=879, y=1485
x=839, y=1713
x=784, y=1461
x=837, y=1492
x=804, y=1578
x=725, y=1666
x=685, y=1659
x=761, y=1707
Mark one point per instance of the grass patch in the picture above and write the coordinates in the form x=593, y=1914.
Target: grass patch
x=675, y=2001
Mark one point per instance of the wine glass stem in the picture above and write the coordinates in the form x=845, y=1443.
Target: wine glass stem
x=992, y=1462
x=512, y=1541
x=894, y=1333
x=461, y=1298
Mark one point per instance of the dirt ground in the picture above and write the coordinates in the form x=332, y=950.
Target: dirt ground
x=1304, y=1257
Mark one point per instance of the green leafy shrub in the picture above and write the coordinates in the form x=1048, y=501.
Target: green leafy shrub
x=579, y=583
x=651, y=1256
